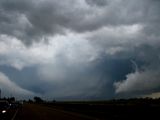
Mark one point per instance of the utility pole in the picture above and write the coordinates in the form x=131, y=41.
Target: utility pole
x=0, y=93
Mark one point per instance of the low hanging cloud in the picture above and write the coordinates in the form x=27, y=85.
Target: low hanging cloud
x=10, y=88
x=139, y=81
x=145, y=80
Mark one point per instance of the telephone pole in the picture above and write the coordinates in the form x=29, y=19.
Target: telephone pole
x=0, y=93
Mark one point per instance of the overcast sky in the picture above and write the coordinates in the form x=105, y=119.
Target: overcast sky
x=80, y=49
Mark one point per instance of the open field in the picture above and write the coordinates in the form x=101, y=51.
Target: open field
x=90, y=110
x=40, y=112
x=112, y=110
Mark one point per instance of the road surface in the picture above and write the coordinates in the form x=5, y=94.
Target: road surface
x=40, y=112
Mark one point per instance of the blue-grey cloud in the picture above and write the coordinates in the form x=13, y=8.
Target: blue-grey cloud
x=97, y=2
x=89, y=46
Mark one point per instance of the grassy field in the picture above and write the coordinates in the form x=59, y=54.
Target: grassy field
x=91, y=110
x=114, y=109
x=41, y=112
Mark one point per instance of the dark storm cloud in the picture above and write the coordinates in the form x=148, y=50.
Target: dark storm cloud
x=97, y=2
x=26, y=78
x=30, y=20
x=36, y=20
x=118, y=31
x=145, y=79
x=142, y=47
x=92, y=81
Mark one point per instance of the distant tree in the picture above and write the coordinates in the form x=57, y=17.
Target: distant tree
x=38, y=99
x=30, y=101
x=12, y=99
x=53, y=101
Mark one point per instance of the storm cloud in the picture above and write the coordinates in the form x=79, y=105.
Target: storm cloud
x=81, y=49
x=7, y=86
x=34, y=20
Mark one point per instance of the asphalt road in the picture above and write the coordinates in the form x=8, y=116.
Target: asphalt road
x=40, y=112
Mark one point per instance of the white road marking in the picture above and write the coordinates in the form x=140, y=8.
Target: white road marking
x=15, y=114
